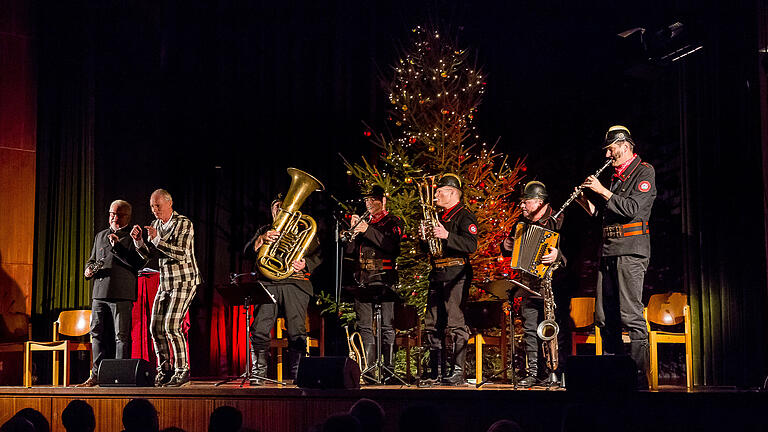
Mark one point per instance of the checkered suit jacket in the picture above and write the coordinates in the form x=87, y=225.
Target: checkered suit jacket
x=175, y=253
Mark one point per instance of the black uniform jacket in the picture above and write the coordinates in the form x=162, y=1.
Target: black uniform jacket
x=376, y=250
x=461, y=225
x=300, y=279
x=633, y=194
x=116, y=280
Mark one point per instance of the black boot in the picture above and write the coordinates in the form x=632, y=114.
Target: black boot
x=432, y=373
x=294, y=357
x=387, y=351
x=370, y=355
x=532, y=371
x=259, y=361
x=458, y=357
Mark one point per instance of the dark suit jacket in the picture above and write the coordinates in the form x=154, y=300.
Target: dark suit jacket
x=116, y=280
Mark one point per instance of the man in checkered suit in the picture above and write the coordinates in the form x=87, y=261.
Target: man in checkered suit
x=170, y=238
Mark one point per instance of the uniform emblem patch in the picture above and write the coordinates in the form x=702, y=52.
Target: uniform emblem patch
x=644, y=186
x=473, y=229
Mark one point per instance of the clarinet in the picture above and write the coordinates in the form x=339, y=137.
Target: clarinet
x=578, y=190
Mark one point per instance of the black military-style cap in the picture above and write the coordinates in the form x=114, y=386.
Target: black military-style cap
x=535, y=190
x=375, y=192
x=617, y=133
x=449, y=179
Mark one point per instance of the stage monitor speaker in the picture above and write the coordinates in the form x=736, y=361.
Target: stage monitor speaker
x=590, y=373
x=126, y=373
x=328, y=373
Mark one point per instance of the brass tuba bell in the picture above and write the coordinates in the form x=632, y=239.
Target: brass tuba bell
x=296, y=229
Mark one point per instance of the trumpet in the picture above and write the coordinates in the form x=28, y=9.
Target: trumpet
x=578, y=190
x=429, y=213
x=350, y=234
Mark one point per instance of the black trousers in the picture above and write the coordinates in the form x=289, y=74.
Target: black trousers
x=293, y=302
x=364, y=315
x=445, y=316
x=620, y=303
x=110, y=330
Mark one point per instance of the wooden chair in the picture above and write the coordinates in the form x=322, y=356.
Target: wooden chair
x=70, y=323
x=407, y=326
x=666, y=310
x=485, y=315
x=315, y=326
x=584, y=329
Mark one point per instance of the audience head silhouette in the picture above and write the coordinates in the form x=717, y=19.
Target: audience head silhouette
x=38, y=420
x=369, y=413
x=139, y=415
x=78, y=417
x=505, y=426
x=225, y=419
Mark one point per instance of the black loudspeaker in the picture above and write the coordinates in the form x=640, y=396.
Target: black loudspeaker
x=126, y=373
x=328, y=373
x=585, y=373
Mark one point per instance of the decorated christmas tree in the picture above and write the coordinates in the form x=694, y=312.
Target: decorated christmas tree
x=435, y=89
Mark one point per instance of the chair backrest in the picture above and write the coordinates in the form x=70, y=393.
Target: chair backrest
x=667, y=309
x=582, y=311
x=74, y=322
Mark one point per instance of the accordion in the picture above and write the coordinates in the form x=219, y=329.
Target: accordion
x=531, y=242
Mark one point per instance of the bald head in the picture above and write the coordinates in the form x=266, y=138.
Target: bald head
x=162, y=204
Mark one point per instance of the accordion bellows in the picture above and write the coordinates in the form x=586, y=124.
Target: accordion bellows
x=531, y=242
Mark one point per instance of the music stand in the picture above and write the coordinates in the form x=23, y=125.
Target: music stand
x=376, y=294
x=246, y=290
x=508, y=289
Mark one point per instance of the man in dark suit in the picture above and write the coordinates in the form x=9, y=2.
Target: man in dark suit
x=113, y=266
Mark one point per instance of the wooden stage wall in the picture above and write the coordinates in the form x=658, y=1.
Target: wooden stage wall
x=291, y=409
x=18, y=123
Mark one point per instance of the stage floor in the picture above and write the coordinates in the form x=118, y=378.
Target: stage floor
x=274, y=408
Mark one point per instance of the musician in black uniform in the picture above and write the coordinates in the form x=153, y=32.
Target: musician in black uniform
x=114, y=288
x=376, y=246
x=537, y=211
x=292, y=295
x=625, y=207
x=447, y=333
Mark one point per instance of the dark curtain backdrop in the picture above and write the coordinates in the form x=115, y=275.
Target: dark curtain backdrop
x=723, y=216
x=213, y=100
x=65, y=166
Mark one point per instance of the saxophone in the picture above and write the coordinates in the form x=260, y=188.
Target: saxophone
x=430, y=219
x=548, y=329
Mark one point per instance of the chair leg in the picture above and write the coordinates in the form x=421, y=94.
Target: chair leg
x=573, y=344
x=654, y=370
x=56, y=364
x=598, y=341
x=27, y=379
x=279, y=363
x=66, y=354
x=408, y=358
x=478, y=357
x=688, y=364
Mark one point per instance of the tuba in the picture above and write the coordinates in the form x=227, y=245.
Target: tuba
x=296, y=229
x=427, y=200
